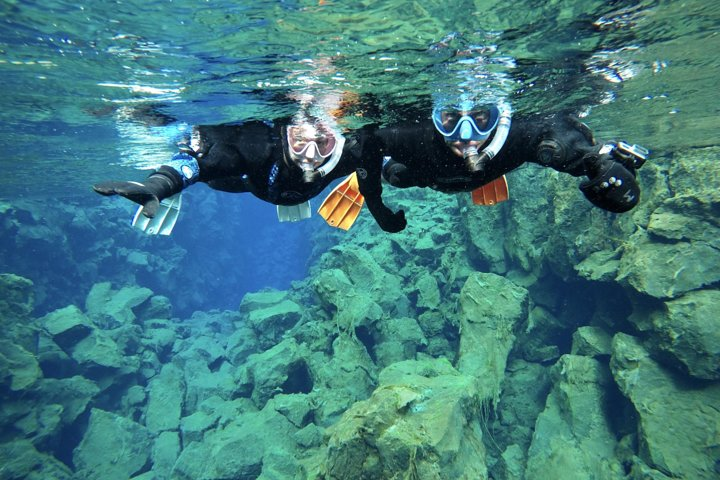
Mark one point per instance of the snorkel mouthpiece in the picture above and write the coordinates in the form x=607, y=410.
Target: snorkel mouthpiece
x=310, y=176
x=473, y=160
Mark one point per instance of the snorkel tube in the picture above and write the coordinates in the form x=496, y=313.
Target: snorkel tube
x=475, y=161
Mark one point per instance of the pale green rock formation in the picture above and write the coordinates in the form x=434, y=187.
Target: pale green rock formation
x=99, y=350
x=110, y=308
x=281, y=369
x=573, y=439
x=19, y=369
x=679, y=421
x=668, y=270
x=166, y=393
x=202, y=383
x=353, y=307
x=591, y=342
x=74, y=394
x=242, y=343
x=427, y=291
x=19, y=460
x=273, y=321
x=194, y=426
x=113, y=447
x=165, y=451
x=419, y=423
x=398, y=339
x=67, y=326
x=686, y=329
x=253, y=443
x=17, y=301
x=493, y=308
x=524, y=390
x=298, y=408
x=342, y=378
x=482, y=224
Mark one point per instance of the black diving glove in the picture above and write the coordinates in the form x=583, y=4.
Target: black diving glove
x=164, y=183
x=393, y=223
x=611, y=184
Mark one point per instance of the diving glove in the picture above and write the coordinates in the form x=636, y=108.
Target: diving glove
x=610, y=185
x=180, y=172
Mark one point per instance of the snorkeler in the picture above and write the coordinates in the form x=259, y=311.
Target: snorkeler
x=285, y=163
x=469, y=148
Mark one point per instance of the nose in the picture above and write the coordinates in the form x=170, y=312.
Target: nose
x=465, y=130
x=311, y=151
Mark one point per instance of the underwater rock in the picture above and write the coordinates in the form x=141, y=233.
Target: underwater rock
x=241, y=344
x=201, y=382
x=158, y=307
x=573, y=439
x=493, y=308
x=17, y=301
x=240, y=450
x=259, y=300
x=166, y=393
x=297, y=408
x=670, y=408
x=272, y=322
x=511, y=464
x=16, y=298
x=99, y=350
x=113, y=447
x=109, y=308
x=525, y=389
x=668, y=270
x=194, y=426
x=591, y=342
x=281, y=369
x=343, y=378
x=19, y=460
x=398, y=339
x=600, y=266
x=19, y=369
x=74, y=394
x=418, y=423
x=428, y=291
x=482, y=225
x=67, y=326
x=352, y=308
x=686, y=331
x=165, y=452
x=42, y=425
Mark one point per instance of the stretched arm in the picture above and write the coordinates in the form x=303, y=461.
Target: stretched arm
x=567, y=145
x=369, y=172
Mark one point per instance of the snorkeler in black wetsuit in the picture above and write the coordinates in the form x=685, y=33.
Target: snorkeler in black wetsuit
x=284, y=163
x=468, y=146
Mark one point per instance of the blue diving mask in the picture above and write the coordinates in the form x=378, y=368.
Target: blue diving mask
x=466, y=125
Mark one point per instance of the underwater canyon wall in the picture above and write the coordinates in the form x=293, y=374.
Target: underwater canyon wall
x=538, y=339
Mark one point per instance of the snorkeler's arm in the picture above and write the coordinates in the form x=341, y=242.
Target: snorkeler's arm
x=369, y=173
x=567, y=145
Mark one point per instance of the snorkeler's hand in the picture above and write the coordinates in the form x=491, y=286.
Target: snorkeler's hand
x=137, y=192
x=394, y=222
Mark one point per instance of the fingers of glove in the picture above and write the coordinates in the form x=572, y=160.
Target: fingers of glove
x=107, y=188
x=150, y=207
x=398, y=224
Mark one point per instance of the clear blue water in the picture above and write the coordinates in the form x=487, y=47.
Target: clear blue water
x=90, y=88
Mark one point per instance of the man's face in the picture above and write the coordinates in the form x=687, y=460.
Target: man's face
x=310, y=145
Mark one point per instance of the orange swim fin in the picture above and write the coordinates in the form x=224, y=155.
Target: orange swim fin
x=343, y=205
x=491, y=193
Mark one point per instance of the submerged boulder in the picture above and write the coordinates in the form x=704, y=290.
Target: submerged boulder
x=573, y=439
x=679, y=421
x=419, y=423
x=110, y=308
x=493, y=308
x=686, y=330
x=113, y=447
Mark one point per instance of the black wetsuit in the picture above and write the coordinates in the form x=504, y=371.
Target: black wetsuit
x=252, y=158
x=419, y=157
